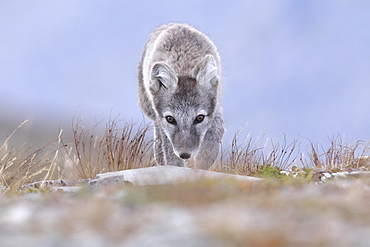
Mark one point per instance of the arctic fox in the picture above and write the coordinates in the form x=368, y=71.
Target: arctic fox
x=179, y=82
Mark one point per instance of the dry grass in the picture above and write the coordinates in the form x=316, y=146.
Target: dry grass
x=125, y=145
x=339, y=155
x=119, y=148
x=19, y=166
x=251, y=155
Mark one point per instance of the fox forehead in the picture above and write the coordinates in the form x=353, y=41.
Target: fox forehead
x=188, y=99
x=185, y=106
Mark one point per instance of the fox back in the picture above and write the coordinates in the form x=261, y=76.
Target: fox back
x=179, y=82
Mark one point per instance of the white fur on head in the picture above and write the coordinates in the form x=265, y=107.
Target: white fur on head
x=207, y=73
x=162, y=75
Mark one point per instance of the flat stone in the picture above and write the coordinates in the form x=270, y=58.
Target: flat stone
x=160, y=175
x=57, y=183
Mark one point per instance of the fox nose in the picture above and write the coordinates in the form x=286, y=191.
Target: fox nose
x=185, y=156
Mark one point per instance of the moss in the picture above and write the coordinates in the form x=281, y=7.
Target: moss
x=269, y=171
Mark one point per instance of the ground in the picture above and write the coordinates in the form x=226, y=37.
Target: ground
x=323, y=202
x=208, y=212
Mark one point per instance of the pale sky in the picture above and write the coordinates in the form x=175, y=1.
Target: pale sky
x=299, y=68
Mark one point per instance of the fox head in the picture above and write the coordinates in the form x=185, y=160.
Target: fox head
x=185, y=105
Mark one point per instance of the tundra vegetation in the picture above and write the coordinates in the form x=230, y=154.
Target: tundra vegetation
x=127, y=145
x=313, y=211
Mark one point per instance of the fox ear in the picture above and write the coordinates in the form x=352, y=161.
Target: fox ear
x=207, y=71
x=162, y=76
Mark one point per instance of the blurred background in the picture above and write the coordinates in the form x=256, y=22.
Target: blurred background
x=294, y=68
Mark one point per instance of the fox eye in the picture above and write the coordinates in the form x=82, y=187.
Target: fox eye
x=199, y=119
x=171, y=120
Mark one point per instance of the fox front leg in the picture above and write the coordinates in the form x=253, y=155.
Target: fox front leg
x=211, y=146
x=158, y=146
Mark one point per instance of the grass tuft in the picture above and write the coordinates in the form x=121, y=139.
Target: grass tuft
x=126, y=145
x=119, y=148
x=339, y=155
x=252, y=158
x=25, y=165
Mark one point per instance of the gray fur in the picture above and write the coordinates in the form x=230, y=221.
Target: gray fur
x=179, y=81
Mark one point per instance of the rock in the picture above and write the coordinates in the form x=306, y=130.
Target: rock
x=98, y=183
x=157, y=175
x=324, y=176
x=160, y=175
x=61, y=184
